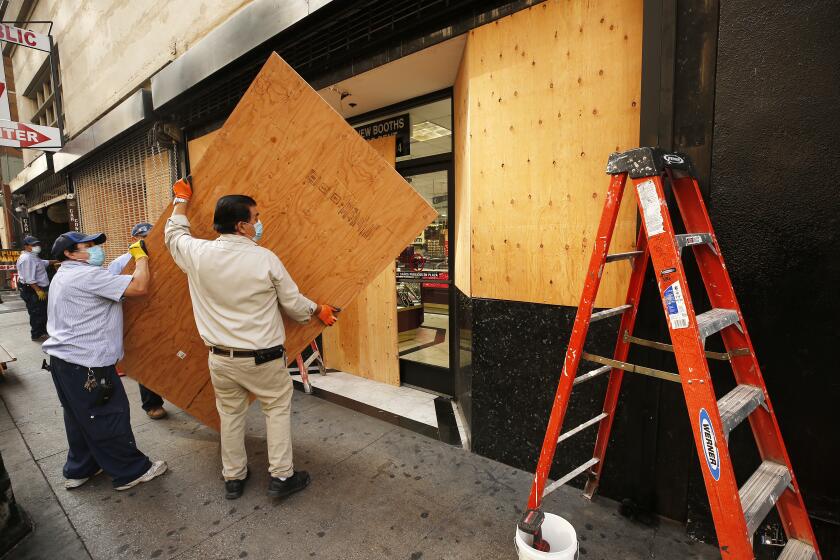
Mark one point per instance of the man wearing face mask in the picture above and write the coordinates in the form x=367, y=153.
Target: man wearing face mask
x=33, y=284
x=238, y=290
x=151, y=401
x=86, y=341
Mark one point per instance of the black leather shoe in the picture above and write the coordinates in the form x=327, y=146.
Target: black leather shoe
x=234, y=488
x=281, y=488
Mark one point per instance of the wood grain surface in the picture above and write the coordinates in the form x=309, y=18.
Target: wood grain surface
x=335, y=212
x=364, y=341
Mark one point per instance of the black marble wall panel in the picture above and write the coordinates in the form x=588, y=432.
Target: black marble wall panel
x=776, y=210
x=518, y=351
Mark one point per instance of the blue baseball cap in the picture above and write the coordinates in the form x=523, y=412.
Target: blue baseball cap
x=71, y=238
x=141, y=229
x=29, y=240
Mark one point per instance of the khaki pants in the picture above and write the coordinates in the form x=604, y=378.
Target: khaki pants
x=233, y=379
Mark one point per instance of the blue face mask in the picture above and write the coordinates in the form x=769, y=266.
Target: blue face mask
x=258, y=231
x=96, y=256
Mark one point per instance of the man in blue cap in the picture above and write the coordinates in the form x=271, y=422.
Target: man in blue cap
x=86, y=341
x=152, y=402
x=33, y=283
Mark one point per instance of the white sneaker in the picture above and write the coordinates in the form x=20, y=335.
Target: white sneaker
x=71, y=483
x=157, y=469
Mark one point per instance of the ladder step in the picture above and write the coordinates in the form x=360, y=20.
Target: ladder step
x=583, y=426
x=715, y=320
x=798, y=550
x=759, y=494
x=557, y=484
x=591, y=374
x=737, y=404
x=606, y=313
x=623, y=256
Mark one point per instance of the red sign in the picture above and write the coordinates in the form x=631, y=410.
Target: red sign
x=24, y=135
x=24, y=37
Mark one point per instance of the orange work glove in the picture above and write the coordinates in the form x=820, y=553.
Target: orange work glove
x=326, y=314
x=183, y=188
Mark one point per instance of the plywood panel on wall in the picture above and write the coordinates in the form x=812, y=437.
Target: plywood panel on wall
x=551, y=91
x=364, y=341
x=336, y=214
x=463, y=185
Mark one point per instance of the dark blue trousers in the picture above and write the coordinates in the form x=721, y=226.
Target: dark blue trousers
x=37, y=310
x=98, y=436
x=149, y=398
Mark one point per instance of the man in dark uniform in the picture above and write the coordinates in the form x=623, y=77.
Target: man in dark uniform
x=86, y=341
x=33, y=283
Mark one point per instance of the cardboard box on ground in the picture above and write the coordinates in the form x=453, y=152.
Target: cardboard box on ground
x=337, y=214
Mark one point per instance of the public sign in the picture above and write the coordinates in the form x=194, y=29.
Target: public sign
x=26, y=135
x=5, y=113
x=399, y=126
x=24, y=37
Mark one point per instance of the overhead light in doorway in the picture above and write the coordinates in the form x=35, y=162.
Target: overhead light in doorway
x=427, y=130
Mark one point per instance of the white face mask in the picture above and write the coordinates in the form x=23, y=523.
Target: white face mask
x=36, y=249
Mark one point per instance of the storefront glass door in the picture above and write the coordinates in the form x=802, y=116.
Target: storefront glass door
x=423, y=291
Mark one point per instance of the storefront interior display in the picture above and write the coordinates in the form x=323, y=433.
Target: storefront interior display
x=423, y=276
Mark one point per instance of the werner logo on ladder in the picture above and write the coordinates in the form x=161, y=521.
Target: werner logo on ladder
x=737, y=512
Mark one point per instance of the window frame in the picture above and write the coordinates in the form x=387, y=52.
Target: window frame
x=47, y=103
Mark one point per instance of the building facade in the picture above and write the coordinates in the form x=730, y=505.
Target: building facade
x=505, y=113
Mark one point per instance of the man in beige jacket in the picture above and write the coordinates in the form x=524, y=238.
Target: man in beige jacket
x=238, y=290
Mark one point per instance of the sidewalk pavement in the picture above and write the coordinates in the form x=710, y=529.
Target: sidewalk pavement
x=378, y=491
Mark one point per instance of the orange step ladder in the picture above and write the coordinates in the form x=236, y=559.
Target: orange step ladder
x=737, y=511
x=303, y=366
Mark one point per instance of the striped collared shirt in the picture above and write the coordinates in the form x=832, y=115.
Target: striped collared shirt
x=117, y=265
x=85, y=321
x=32, y=269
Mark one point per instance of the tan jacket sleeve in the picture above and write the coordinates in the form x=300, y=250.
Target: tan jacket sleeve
x=179, y=241
x=294, y=304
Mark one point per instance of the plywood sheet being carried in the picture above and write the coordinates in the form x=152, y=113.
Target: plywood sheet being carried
x=364, y=341
x=197, y=146
x=335, y=212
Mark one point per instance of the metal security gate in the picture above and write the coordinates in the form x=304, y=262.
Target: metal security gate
x=128, y=183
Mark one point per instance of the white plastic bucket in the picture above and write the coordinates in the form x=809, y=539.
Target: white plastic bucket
x=559, y=533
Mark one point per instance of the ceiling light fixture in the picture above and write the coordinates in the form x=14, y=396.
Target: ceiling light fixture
x=427, y=130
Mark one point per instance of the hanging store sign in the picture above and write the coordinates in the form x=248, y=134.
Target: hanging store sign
x=399, y=126
x=24, y=37
x=73, y=213
x=9, y=256
x=25, y=135
x=8, y=259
